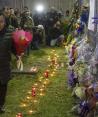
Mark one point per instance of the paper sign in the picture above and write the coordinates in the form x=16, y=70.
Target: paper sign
x=91, y=25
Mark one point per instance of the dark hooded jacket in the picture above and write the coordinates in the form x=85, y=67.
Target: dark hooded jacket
x=6, y=48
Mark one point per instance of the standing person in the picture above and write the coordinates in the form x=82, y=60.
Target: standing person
x=67, y=16
x=5, y=59
x=27, y=24
x=36, y=39
x=6, y=13
x=66, y=23
x=13, y=19
x=57, y=36
x=85, y=15
x=18, y=15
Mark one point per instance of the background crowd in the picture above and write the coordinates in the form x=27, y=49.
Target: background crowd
x=45, y=26
x=50, y=28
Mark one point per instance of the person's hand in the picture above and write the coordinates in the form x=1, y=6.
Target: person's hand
x=18, y=57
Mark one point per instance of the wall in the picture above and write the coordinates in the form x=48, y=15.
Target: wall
x=59, y=4
x=12, y=3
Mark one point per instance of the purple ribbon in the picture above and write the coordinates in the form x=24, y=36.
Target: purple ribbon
x=96, y=18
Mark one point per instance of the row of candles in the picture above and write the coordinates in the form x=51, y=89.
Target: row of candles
x=43, y=81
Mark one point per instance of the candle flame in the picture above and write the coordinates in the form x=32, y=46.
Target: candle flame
x=35, y=101
x=28, y=97
x=23, y=105
x=41, y=94
x=29, y=92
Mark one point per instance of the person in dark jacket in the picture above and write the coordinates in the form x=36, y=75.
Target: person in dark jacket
x=36, y=38
x=57, y=36
x=11, y=19
x=6, y=47
x=27, y=24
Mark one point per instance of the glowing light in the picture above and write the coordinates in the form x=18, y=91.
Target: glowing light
x=41, y=94
x=55, y=69
x=43, y=86
x=40, y=80
x=23, y=105
x=40, y=8
x=35, y=101
x=29, y=92
x=53, y=51
x=45, y=82
x=52, y=75
x=29, y=98
x=47, y=79
x=35, y=84
x=41, y=89
x=49, y=58
x=31, y=111
x=49, y=65
x=53, y=72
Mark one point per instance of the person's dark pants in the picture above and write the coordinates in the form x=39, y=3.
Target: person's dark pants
x=28, y=50
x=35, y=44
x=3, y=91
x=48, y=40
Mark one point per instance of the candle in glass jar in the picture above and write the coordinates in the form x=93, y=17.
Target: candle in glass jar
x=46, y=74
x=19, y=115
x=33, y=91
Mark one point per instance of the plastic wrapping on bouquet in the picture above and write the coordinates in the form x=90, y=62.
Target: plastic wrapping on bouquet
x=84, y=107
x=72, y=62
x=21, y=40
x=71, y=77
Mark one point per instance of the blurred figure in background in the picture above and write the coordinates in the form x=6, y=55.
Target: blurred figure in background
x=11, y=19
x=67, y=16
x=6, y=12
x=6, y=47
x=27, y=24
x=38, y=37
x=52, y=17
x=57, y=37
x=66, y=23
x=18, y=16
